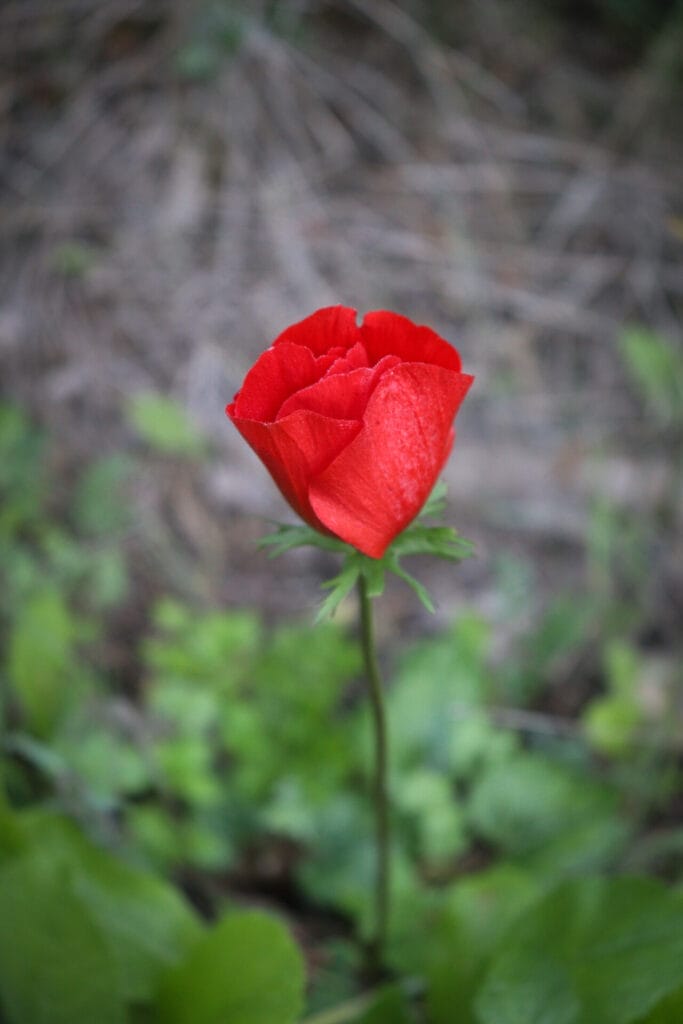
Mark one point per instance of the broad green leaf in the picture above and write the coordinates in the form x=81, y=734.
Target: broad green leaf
x=144, y=922
x=669, y=1011
x=390, y=1006
x=467, y=924
x=613, y=946
x=527, y=800
x=526, y=990
x=55, y=964
x=246, y=970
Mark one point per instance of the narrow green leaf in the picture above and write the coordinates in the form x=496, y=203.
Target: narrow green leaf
x=415, y=585
x=285, y=538
x=436, y=502
x=339, y=587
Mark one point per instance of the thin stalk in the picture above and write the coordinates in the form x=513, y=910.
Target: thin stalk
x=379, y=788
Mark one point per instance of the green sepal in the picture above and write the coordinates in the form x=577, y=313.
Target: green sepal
x=416, y=539
x=287, y=537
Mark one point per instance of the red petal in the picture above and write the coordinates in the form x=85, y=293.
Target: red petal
x=296, y=449
x=381, y=480
x=351, y=360
x=277, y=374
x=390, y=334
x=341, y=396
x=331, y=327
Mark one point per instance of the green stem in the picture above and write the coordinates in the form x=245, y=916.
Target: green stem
x=380, y=790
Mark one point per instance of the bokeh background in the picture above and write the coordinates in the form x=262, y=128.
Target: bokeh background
x=179, y=181
x=182, y=180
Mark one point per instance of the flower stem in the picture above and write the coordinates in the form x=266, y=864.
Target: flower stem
x=380, y=789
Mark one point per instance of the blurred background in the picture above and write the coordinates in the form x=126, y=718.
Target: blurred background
x=179, y=181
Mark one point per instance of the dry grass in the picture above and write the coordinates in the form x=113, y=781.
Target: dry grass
x=356, y=159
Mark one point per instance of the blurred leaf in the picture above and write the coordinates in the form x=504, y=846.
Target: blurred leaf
x=213, y=648
x=467, y=924
x=41, y=658
x=73, y=259
x=669, y=1011
x=340, y=868
x=603, y=950
x=523, y=802
x=246, y=970
x=476, y=743
x=621, y=667
x=198, y=61
x=155, y=833
x=439, y=821
x=390, y=1006
x=564, y=627
x=99, y=504
x=334, y=980
x=611, y=723
x=107, y=585
x=164, y=425
x=144, y=922
x=22, y=471
x=656, y=368
x=185, y=763
x=202, y=842
x=110, y=766
x=55, y=966
x=434, y=678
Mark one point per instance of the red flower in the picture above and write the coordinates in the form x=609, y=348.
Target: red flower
x=353, y=423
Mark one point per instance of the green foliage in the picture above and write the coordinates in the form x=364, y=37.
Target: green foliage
x=594, y=949
x=44, y=927
x=524, y=803
x=22, y=473
x=242, y=741
x=417, y=539
x=611, y=722
x=85, y=937
x=99, y=500
x=220, y=28
x=41, y=659
x=81, y=934
x=466, y=926
x=245, y=970
x=164, y=425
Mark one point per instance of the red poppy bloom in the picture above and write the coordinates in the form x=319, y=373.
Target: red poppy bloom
x=354, y=423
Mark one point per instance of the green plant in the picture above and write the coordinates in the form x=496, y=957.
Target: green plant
x=85, y=937
x=505, y=843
